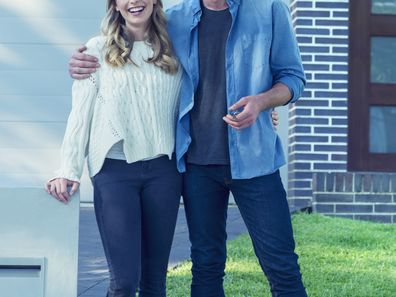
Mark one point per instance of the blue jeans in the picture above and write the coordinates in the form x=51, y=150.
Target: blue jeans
x=136, y=209
x=263, y=205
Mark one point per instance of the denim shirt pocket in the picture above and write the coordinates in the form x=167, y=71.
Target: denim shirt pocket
x=255, y=50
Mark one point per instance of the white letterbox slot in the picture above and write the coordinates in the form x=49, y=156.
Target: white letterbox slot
x=22, y=277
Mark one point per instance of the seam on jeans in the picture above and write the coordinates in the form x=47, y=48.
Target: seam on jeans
x=104, y=238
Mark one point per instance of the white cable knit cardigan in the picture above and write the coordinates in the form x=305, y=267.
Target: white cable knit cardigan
x=137, y=104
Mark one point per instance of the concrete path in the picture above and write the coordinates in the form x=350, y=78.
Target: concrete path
x=93, y=275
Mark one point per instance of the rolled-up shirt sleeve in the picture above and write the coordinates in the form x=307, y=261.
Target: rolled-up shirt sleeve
x=286, y=64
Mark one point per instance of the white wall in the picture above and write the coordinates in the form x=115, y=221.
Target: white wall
x=43, y=232
x=36, y=41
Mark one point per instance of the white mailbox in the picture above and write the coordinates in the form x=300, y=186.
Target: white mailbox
x=38, y=244
x=22, y=277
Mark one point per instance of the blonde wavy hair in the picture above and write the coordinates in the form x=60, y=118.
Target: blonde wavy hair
x=119, y=44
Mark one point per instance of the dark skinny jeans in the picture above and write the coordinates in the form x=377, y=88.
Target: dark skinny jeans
x=136, y=208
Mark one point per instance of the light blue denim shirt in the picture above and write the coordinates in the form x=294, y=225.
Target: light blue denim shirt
x=261, y=51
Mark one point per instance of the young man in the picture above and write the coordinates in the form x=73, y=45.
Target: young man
x=240, y=60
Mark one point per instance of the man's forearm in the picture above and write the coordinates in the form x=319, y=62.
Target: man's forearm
x=278, y=95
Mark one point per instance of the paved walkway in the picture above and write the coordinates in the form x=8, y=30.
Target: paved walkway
x=93, y=275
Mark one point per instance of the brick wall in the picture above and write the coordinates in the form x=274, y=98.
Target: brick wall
x=362, y=196
x=318, y=121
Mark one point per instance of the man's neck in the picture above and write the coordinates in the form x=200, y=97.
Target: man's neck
x=215, y=4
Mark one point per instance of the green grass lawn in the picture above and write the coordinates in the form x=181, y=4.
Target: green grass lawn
x=338, y=258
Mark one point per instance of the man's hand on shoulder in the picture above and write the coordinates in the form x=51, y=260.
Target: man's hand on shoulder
x=82, y=65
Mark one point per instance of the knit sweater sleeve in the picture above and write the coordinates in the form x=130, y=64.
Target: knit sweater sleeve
x=75, y=141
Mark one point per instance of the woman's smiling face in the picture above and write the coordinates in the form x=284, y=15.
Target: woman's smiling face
x=136, y=13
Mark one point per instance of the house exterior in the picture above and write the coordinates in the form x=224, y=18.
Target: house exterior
x=339, y=136
x=342, y=146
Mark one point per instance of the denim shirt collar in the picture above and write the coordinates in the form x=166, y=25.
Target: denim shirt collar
x=196, y=5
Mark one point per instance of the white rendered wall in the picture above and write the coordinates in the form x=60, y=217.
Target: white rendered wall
x=36, y=41
x=35, y=227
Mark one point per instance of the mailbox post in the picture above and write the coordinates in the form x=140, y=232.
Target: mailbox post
x=38, y=244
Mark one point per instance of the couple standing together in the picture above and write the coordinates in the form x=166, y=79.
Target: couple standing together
x=190, y=95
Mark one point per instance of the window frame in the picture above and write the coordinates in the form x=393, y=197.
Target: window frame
x=361, y=92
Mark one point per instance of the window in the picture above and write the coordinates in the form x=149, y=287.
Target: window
x=383, y=7
x=372, y=86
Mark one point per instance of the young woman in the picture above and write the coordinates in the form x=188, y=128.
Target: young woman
x=123, y=119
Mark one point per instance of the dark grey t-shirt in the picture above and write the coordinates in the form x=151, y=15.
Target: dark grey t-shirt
x=209, y=134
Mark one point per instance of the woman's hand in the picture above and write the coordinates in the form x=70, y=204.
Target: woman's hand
x=275, y=119
x=58, y=188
